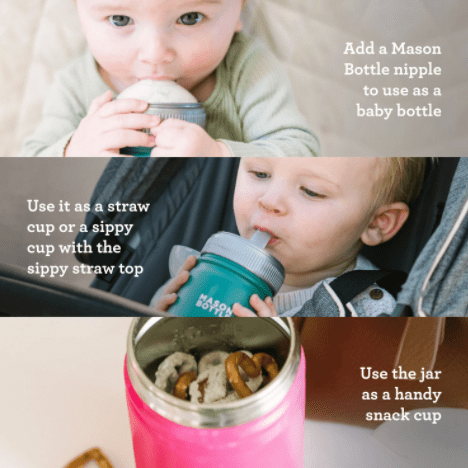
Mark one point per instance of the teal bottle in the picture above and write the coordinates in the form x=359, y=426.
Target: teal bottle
x=230, y=269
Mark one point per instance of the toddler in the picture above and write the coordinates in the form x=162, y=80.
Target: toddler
x=196, y=43
x=319, y=212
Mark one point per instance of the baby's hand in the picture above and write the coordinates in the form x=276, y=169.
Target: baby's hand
x=175, y=138
x=264, y=308
x=170, y=291
x=111, y=125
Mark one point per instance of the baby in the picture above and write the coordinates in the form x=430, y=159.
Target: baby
x=319, y=212
x=196, y=43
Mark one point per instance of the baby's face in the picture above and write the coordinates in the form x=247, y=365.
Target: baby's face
x=179, y=40
x=315, y=208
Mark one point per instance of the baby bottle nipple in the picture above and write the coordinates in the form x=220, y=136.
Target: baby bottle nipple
x=260, y=239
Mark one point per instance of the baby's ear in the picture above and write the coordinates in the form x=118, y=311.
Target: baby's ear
x=386, y=222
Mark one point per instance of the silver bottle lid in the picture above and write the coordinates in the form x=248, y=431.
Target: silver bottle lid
x=254, y=259
x=190, y=112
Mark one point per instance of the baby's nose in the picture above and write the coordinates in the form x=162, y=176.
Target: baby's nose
x=155, y=48
x=273, y=203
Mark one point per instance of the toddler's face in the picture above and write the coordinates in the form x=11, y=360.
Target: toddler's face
x=179, y=40
x=315, y=208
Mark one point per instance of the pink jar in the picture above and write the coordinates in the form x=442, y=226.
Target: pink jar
x=264, y=430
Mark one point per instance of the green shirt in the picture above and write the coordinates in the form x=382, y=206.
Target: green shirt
x=252, y=108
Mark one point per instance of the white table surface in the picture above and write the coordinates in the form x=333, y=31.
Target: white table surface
x=63, y=393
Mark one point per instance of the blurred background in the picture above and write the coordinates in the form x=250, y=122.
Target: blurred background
x=309, y=37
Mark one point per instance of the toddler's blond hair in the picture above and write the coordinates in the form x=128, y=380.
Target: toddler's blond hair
x=401, y=179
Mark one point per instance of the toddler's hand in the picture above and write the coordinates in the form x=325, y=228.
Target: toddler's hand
x=170, y=291
x=111, y=125
x=264, y=308
x=176, y=138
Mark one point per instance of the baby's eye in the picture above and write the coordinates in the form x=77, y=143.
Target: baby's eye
x=190, y=19
x=120, y=20
x=260, y=175
x=311, y=193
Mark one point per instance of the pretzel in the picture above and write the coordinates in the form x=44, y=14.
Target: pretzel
x=92, y=454
x=210, y=385
x=169, y=370
x=233, y=362
x=252, y=368
x=182, y=384
x=268, y=363
x=215, y=358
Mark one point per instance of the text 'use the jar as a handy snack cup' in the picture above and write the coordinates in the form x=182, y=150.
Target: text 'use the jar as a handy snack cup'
x=263, y=430
x=168, y=100
x=229, y=270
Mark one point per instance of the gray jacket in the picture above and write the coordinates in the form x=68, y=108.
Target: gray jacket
x=438, y=282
